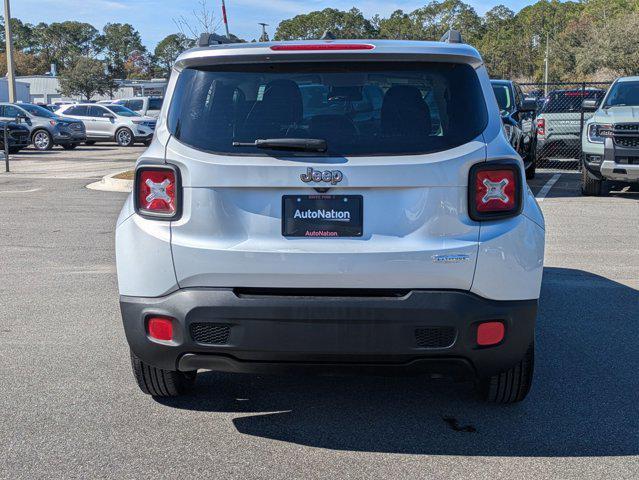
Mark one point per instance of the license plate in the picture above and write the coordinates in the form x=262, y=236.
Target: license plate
x=322, y=216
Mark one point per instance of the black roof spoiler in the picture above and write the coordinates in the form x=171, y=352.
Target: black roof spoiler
x=452, y=36
x=208, y=39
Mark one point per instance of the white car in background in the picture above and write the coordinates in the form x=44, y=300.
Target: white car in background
x=149, y=106
x=108, y=123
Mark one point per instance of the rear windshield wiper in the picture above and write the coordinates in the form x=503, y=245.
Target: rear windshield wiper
x=298, y=144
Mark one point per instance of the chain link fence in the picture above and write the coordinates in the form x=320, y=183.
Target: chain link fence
x=560, y=120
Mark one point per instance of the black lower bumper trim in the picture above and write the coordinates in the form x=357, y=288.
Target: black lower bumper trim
x=256, y=332
x=457, y=368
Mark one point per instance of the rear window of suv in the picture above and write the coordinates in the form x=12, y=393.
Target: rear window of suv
x=569, y=100
x=367, y=108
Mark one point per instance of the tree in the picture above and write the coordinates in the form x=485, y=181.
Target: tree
x=23, y=34
x=138, y=66
x=62, y=43
x=499, y=44
x=26, y=64
x=613, y=47
x=399, y=26
x=349, y=24
x=167, y=51
x=436, y=18
x=203, y=21
x=119, y=41
x=85, y=78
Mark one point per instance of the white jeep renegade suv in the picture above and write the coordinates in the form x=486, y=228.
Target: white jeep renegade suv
x=331, y=206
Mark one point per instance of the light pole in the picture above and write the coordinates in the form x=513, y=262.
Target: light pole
x=264, y=37
x=11, y=74
x=546, y=60
x=226, y=21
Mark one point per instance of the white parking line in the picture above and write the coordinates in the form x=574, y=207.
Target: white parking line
x=31, y=190
x=546, y=188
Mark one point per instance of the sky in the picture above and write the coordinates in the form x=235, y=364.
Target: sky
x=155, y=19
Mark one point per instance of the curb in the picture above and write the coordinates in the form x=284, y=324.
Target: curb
x=111, y=184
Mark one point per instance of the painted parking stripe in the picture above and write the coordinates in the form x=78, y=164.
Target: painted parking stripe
x=546, y=188
x=21, y=191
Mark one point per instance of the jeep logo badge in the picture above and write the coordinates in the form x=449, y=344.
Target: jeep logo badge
x=329, y=176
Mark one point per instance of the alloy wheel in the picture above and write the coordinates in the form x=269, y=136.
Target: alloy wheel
x=41, y=140
x=124, y=137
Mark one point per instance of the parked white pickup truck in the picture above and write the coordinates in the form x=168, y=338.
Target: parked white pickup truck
x=610, y=141
x=145, y=106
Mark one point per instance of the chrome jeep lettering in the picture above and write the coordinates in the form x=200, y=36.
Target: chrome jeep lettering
x=329, y=176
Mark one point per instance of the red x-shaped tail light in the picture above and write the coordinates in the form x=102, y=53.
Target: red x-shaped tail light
x=157, y=192
x=494, y=190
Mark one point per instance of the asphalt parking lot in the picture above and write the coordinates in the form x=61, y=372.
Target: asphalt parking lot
x=71, y=409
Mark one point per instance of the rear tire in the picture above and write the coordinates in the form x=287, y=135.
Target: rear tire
x=590, y=186
x=124, y=137
x=510, y=386
x=158, y=382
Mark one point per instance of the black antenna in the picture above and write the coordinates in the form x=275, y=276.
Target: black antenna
x=208, y=39
x=328, y=35
x=452, y=36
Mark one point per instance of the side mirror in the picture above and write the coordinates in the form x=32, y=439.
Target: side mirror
x=508, y=120
x=528, y=105
x=109, y=116
x=589, y=105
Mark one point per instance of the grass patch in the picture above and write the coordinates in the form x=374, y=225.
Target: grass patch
x=128, y=175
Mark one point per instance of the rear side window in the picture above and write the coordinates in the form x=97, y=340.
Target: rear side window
x=504, y=98
x=11, y=111
x=367, y=108
x=77, y=111
x=98, y=112
x=136, y=105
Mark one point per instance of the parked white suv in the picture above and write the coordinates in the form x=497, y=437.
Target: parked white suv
x=108, y=123
x=274, y=229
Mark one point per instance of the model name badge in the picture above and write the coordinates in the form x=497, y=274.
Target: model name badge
x=340, y=216
x=452, y=258
x=329, y=176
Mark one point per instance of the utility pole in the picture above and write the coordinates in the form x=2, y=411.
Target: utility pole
x=546, y=61
x=11, y=71
x=264, y=37
x=226, y=21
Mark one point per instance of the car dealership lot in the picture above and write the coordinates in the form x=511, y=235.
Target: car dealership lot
x=71, y=408
x=83, y=162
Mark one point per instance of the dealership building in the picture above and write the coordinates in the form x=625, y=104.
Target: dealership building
x=46, y=89
x=22, y=91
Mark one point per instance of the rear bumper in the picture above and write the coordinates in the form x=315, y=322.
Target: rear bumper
x=419, y=330
x=568, y=145
x=143, y=138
